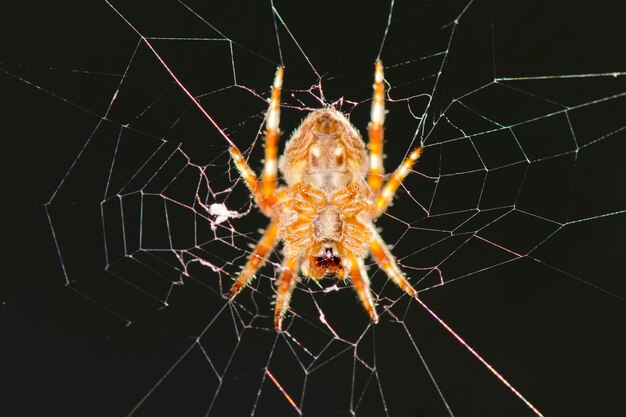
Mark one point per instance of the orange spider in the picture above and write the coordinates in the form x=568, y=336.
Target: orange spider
x=324, y=215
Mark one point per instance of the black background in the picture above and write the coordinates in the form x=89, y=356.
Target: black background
x=91, y=336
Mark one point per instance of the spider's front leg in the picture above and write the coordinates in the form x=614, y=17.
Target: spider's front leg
x=264, y=193
x=361, y=284
x=257, y=259
x=286, y=284
x=387, y=263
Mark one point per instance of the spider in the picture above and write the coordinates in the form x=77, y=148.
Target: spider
x=324, y=215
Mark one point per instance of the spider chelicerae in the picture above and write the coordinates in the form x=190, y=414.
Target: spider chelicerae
x=324, y=215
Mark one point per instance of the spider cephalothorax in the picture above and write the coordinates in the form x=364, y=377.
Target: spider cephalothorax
x=334, y=191
x=325, y=228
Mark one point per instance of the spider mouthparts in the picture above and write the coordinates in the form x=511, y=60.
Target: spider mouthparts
x=328, y=262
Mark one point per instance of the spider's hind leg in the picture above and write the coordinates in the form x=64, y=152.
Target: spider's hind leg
x=375, y=131
x=389, y=190
x=264, y=190
x=272, y=135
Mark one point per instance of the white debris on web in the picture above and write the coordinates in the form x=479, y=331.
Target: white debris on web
x=332, y=288
x=221, y=213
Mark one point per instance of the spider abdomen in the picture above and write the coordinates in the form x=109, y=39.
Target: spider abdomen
x=326, y=152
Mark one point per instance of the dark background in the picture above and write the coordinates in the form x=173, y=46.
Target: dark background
x=116, y=328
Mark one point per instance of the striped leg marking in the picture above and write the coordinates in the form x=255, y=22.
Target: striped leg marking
x=272, y=135
x=246, y=172
x=263, y=191
x=386, y=195
x=375, y=131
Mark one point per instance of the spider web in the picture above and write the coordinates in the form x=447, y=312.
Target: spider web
x=126, y=222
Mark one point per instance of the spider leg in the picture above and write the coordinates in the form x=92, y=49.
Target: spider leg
x=375, y=131
x=257, y=258
x=286, y=284
x=264, y=192
x=272, y=134
x=361, y=284
x=386, y=195
x=387, y=263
